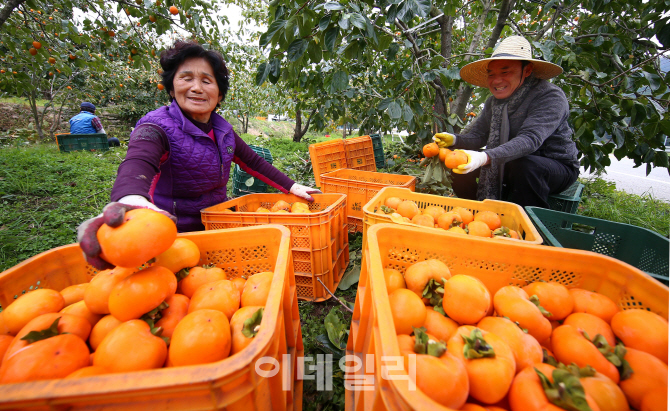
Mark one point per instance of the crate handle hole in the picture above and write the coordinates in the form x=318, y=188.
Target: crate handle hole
x=583, y=228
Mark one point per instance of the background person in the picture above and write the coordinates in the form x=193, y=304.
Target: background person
x=86, y=122
x=179, y=156
x=529, y=150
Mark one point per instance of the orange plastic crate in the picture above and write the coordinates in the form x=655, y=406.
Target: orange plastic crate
x=511, y=215
x=319, y=240
x=231, y=384
x=360, y=153
x=361, y=186
x=326, y=157
x=497, y=264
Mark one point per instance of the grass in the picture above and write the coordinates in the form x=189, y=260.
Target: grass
x=20, y=100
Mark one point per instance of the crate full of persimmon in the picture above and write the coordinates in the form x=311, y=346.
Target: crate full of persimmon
x=183, y=332
x=319, y=239
x=503, y=324
x=488, y=218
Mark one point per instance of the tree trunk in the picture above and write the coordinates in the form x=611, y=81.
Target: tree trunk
x=299, y=131
x=8, y=9
x=32, y=100
x=245, y=124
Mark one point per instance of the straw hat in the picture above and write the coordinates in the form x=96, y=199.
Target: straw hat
x=512, y=48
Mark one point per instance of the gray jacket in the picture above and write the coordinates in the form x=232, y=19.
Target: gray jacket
x=538, y=127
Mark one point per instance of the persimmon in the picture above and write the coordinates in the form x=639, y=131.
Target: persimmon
x=89, y=371
x=299, y=207
x=424, y=220
x=262, y=210
x=97, y=293
x=170, y=317
x=198, y=276
x=528, y=393
x=244, y=326
x=220, y=295
x=438, y=325
x=101, y=329
x=604, y=391
x=5, y=342
x=466, y=215
x=408, y=208
x=54, y=357
x=449, y=220
x=434, y=211
x=143, y=235
x=554, y=297
x=513, y=302
x=457, y=230
x=407, y=310
x=443, y=153
x=490, y=218
x=649, y=373
x=591, y=325
x=201, y=337
x=183, y=253
x=488, y=360
x=571, y=346
x=479, y=229
x=642, y=330
x=527, y=351
x=257, y=289
x=141, y=292
x=440, y=374
x=505, y=232
x=73, y=293
x=280, y=205
x=160, y=86
x=392, y=202
x=239, y=283
x=655, y=400
x=174, y=10
x=80, y=309
x=130, y=347
x=418, y=275
x=394, y=280
x=431, y=150
x=593, y=303
x=455, y=158
x=29, y=306
x=466, y=299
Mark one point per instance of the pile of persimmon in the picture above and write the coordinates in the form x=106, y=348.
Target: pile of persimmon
x=537, y=347
x=156, y=308
x=450, y=158
x=281, y=206
x=457, y=220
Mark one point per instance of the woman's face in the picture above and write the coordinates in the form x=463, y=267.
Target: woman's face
x=505, y=76
x=195, y=89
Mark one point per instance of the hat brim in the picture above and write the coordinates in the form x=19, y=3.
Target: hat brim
x=476, y=73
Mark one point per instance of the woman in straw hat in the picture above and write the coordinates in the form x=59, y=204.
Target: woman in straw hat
x=529, y=150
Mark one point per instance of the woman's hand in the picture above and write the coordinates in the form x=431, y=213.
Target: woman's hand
x=304, y=191
x=112, y=215
x=476, y=159
x=444, y=139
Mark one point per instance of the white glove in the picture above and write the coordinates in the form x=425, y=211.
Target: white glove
x=444, y=139
x=304, y=191
x=138, y=201
x=476, y=159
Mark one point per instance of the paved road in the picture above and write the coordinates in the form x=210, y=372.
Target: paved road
x=635, y=181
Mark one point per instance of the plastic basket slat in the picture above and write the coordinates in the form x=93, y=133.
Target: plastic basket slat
x=637, y=246
x=75, y=142
x=511, y=215
x=319, y=240
x=326, y=157
x=496, y=264
x=360, y=153
x=378, y=147
x=232, y=383
x=568, y=200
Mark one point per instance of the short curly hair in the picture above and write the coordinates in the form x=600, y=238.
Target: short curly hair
x=182, y=50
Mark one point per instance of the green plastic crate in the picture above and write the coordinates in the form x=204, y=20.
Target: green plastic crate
x=568, y=200
x=90, y=142
x=637, y=246
x=378, y=148
x=240, y=178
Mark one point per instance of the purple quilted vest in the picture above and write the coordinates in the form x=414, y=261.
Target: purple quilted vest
x=196, y=172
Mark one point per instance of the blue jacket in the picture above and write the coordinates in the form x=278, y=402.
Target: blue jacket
x=81, y=123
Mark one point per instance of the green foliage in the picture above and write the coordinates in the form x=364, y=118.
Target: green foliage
x=45, y=195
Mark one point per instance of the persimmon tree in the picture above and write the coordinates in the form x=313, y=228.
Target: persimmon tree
x=402, y=58
x=92, y=40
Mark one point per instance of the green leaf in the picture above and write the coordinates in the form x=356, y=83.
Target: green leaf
x=296, y=49
x=331, y=37
x=535, y=300
x=333, y=6
x=394, y=110
x=262, y=73
x=638, y=114
x=358, y=21
x=661, y=159
x=350, y=277
x=424, y=345
x=340, y=81
x=476, y=346
x=336, y=329
x=272, y=30
x=35, y=336
x=324, y=22
x=252, y=324
x=566, y=391
x=420, y=8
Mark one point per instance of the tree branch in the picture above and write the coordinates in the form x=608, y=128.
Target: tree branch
x=8, y=9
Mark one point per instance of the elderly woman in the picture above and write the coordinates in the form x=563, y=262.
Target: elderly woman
x=179, y=156
x=529, y=150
